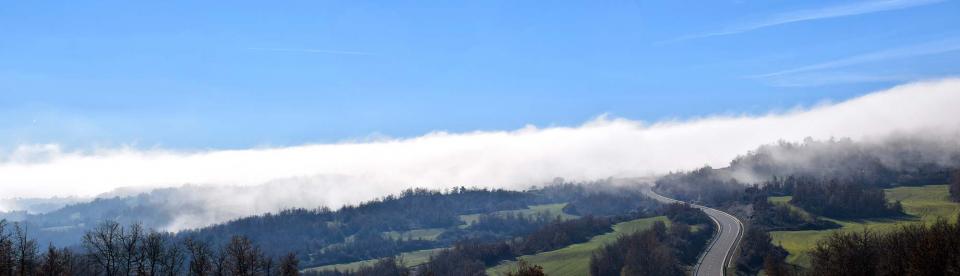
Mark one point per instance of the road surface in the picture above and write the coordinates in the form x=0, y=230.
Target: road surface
x=714, y=261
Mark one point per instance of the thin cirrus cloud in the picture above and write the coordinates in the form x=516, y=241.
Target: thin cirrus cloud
x=314, y=51
x=832, y=78
x=916, y=50
x=814, y=14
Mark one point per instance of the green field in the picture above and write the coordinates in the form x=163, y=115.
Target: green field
x=575, y=259
x=554, y=209
x=419, y=257
x=924, y=204
x=779, y=199
x=429, y=234
x=409, y=258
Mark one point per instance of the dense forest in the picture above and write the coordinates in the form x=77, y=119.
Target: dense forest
x=839, y=198
x=352, y=233
x=913, y=249
x=610, y=203
x=894, y=161
x=706, y=186
x=659, y=250
x=899, y=161
x=835, y=197
x=757, y=252
x=779, y=217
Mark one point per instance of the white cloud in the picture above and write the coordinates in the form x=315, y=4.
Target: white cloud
x=334, y=174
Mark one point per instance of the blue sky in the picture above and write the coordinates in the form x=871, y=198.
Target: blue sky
x=189, y=75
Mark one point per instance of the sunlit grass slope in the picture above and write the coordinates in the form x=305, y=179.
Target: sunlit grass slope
x=925, y=204
x=418, y=257
x=575, y=259
x=409, y=258
x=553, y=209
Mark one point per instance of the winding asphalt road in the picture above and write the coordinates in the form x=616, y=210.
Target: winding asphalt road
x=715, y=260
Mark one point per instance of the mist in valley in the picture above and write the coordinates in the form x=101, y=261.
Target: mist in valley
x=182, y=190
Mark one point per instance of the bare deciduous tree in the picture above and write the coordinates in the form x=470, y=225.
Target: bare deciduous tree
x=103, y=247
x=201, y=259
x=6, y=250
x=289, y=265
x=25, y=251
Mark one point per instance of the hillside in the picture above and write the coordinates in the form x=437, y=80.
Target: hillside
x=923, y=204
x=792, y=195
x=420, y=220
x=575, y=259
x=414, y=258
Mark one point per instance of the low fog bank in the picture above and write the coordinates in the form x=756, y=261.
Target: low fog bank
x=227, y=184
x=39, y=205
x=899, y=154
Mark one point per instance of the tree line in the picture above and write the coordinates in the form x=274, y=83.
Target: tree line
x=898, y=161
x=111, y=249
x=611, y=202
x=913, y=249
x=955, y=186
x=354, y=232
x=843, y=198
x=757, y=252
x=659, y=250
x=505, y=225
x=779, y=217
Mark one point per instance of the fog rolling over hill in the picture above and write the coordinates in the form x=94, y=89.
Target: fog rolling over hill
x=223, y=185
x=520, y=138
x=888, y=161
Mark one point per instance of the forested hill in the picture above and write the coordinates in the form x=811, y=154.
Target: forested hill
x=65, y=226
x=819, y=185
x=895, y=161
x=352, y=233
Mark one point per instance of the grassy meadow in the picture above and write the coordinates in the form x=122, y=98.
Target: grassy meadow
x=575, y=259
x=418, y=257
x=924, y=204
x=409, y=258
x=553, y=209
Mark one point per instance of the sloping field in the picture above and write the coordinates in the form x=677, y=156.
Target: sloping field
x=925, y=204
x=575, y=259
x=409, y=258
x=553, y=209
x=418, y=257
x=429, y=234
